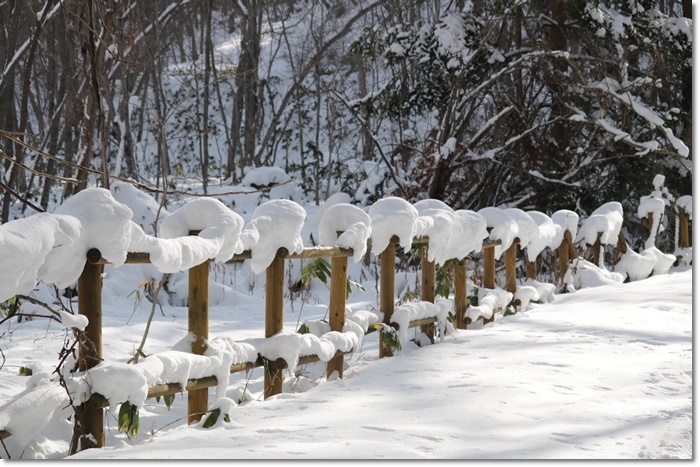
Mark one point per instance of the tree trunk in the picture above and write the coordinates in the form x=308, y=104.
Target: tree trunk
x=558, y=41
x=367, y=141
x=205, y=97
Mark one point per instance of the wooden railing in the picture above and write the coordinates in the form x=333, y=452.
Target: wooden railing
x=90, y=305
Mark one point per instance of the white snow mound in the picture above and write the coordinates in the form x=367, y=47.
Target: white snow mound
x=353, y=222
x=265, y=177
x=392, y=216
x=503, y=228
x=566, y=220
x=434, y=221
x=548, y=231
x=275, y=224
x=606, y=220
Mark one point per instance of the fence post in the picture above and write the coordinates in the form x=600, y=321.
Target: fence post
x=274, y=317
x=684, y=228
x=387, y=277
x=198, y=326
x=510, y=267
x=573, y=253
x=595, y=258
x=460, y=271
x=427, y=292
x=489, y=273
x=531, y=268
x=620, y=248
x=564, y=255
x=648, y=222
x=490, y=267
x=336, y=309
x=567, y=251
x=90, y=349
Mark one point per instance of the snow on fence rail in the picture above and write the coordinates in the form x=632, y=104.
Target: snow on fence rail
x=218, y=234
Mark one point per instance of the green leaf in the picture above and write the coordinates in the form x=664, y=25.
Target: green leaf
x=169, y=399
x=349, y=289
x=24, y=371
x=212, y=418
x=140, y=352
x=303, y=329
x=389, y=336
x=128, y=420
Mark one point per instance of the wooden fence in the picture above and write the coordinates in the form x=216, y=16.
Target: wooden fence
x=91, y=413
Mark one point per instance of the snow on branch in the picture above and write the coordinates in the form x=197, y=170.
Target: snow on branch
x=643, y=111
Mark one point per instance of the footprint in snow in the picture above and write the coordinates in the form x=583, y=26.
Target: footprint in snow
x=376, y=428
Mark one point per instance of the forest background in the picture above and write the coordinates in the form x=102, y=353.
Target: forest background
x=541, y=104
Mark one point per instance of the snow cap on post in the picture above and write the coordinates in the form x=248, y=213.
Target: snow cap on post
x=527, y=228
x=213, y=219
x=503, y=228
x=353, y=222
x=606, y=220
x=434, y=221
x=655, y=207
x=392, y=216
x=103, y=223
x=338, y=198
x=468, y=234
x=276, y=224
x=566, y=220
x=686, y=202
x=548, y=231
x=24, y=244
x=218, y=239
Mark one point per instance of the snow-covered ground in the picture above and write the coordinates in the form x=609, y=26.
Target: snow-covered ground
x=603, y=373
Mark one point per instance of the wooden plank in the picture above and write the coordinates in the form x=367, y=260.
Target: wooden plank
x=420, y=322
x=336, y=309
x=161, y=390
x=322, y=252
x=135, y=257
x=387, y=277
x=274, y=317
x=198, y=326
x=138, y=258
x=308, y=253
x=90, y=349
x=427, y=291
x=460, y=273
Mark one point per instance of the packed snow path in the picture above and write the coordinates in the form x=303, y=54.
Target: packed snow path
x=604, y=372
